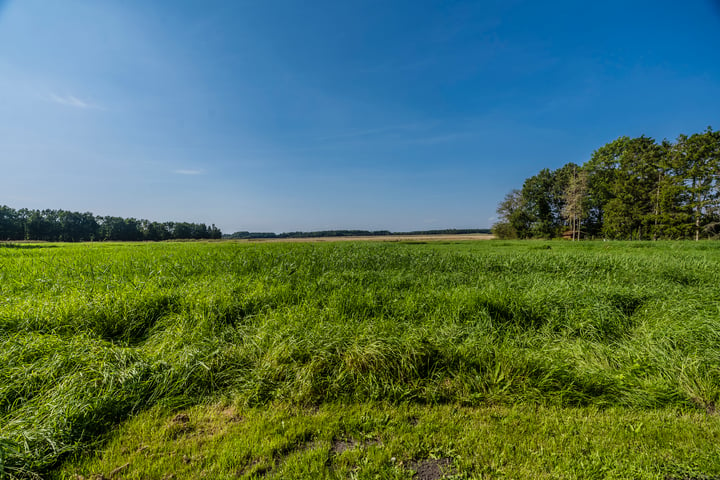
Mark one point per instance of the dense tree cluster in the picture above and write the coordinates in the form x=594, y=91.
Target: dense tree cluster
x=631, y=188
x=348, y=233
x=64, y=226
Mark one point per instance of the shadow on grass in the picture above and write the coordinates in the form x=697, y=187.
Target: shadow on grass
x=25, y=246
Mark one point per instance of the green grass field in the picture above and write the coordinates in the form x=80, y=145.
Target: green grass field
x=360, y=360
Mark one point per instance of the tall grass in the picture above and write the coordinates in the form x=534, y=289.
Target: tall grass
x=91, y=334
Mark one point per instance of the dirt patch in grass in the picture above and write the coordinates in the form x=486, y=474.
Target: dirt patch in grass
x=178, y=426
x=431, y=468
x=180, y=418
x=339, y=446
x=231, y=415
x=694, y=477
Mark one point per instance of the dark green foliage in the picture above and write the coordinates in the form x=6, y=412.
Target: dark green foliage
x=636, y=189
x=516, y=220
x=350, y=233
x=64, y=226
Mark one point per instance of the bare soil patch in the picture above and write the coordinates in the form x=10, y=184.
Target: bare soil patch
x=431, y=468
x=339, y=446
x=181, y=418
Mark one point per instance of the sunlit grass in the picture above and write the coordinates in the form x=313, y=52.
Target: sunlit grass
x=380, y=440
x=93, y=334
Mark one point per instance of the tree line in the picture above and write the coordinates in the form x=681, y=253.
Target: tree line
x=66, y=226
x=631, y=188
x=349, y=233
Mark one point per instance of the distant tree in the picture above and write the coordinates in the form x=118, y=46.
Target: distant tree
x=11, y=225
x=77, y=227
x=182, y=230
x=150, y=231
x=215, y=232
x=41, y=225
x=67, y=226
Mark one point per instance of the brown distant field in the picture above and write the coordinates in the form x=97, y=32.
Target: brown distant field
x=379, y=238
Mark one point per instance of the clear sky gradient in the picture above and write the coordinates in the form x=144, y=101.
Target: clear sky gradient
x=274, y=115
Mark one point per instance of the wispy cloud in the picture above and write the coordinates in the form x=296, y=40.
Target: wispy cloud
x=188, y=172
x=72, y=101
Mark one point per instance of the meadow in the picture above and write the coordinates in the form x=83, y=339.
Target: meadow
x=486, y=359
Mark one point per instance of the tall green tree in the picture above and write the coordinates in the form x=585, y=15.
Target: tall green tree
x=514, y=221
x=670, y=213
x=602, y=169
x=543, y=200
x=635, y=188
x=629, y=211
x=697, y=161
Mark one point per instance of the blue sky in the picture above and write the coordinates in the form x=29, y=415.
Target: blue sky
x=280, y=115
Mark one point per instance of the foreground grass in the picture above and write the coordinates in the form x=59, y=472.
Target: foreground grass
x=91, y=335
x=401, y=441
